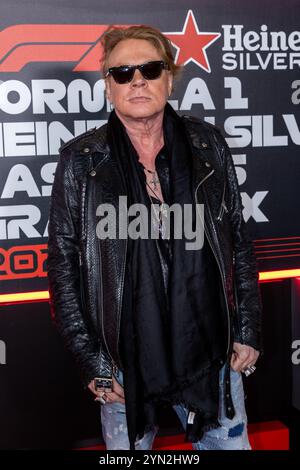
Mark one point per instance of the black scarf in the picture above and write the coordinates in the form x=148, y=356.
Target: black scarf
x=172, y=344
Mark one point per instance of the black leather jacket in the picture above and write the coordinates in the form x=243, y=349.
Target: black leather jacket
x=86, y=273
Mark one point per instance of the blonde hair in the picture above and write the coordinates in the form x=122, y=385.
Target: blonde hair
x=113, y=35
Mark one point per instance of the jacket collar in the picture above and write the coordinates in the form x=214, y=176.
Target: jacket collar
x=198, y=136
x=201, y=147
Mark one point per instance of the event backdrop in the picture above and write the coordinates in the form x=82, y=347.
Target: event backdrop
x=241, y=73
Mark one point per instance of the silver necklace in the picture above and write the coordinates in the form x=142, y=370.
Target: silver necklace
x=155, y=179
x=161, y=209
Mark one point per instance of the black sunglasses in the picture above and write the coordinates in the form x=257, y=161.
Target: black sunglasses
x=149, y=70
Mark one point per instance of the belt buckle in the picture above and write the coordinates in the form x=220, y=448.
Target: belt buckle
x=104, y=383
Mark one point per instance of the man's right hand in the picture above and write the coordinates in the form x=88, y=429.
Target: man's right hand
x=117, y=394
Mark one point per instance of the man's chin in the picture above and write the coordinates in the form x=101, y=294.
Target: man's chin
x=140, y=112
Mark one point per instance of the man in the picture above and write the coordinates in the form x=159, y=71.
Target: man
x=150, y=322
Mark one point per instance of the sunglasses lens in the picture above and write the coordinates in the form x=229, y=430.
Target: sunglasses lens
x=152, y=70
x=122, y=74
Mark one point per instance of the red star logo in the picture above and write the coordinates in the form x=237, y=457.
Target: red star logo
x=191, y=45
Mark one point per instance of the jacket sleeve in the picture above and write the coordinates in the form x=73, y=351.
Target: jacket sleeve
x=63, y=270
x=248, y=303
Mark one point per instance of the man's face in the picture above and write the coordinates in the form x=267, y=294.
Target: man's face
x=140, y=98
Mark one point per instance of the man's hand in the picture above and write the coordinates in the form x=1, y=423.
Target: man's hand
x=116, y=395
x=243, y=356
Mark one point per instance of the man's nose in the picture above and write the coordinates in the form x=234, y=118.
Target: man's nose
x=138, y=79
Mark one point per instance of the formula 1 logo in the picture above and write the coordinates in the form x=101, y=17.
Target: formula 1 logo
x=28, y=43
x=23, y=44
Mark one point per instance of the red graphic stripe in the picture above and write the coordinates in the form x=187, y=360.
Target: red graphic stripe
x=278, y=238
x=278, y=251
x=279, y=256
x=277, y=244
x=42, y=53
x=42, y=33
x=270, y=247
x=91, y=61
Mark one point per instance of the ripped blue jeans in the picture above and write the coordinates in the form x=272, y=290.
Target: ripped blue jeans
x=231, y=435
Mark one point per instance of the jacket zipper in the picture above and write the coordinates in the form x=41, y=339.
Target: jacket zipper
x=81, y=280
x=223, y=205
x=121, y=297
x=114, y=365
x=100, y=297
x=235, y=304
x=92, y=172
x=84, y=305
x=99, y=264
x=218, y=263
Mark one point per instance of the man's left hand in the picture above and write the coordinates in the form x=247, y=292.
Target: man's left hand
x=243, y=356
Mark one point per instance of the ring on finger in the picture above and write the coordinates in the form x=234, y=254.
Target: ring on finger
x=249, y=370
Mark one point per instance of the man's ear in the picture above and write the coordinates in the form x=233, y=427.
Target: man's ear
x=170, y=83
x=107, y=89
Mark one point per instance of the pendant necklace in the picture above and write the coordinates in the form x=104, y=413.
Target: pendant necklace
x=155, y=181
